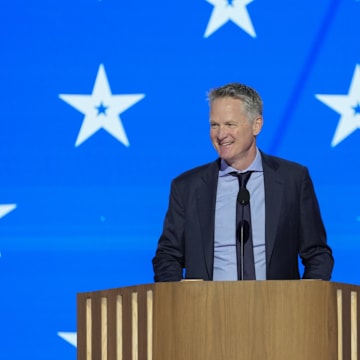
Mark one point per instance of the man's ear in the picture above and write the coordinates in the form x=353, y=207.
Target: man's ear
x=257, y=125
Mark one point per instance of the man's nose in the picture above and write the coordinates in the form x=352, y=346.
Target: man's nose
x=221, y=132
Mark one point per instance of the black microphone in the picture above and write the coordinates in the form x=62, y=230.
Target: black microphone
x=243, y=229
x=243, y=197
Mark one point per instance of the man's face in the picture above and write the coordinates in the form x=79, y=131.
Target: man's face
x=231, y=132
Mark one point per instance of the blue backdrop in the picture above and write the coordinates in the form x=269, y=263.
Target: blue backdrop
x=104, y=102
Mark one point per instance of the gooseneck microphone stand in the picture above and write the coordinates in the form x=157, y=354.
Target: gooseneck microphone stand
x=243, y=199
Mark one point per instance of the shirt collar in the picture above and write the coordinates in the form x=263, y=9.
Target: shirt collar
x=255, y=166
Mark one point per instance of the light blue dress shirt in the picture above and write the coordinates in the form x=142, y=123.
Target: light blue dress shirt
x=225, y=261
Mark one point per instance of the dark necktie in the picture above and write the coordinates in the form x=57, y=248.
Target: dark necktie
x=246, y=271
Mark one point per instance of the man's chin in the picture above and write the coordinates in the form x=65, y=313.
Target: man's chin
x=228, y=159
x=225, y=153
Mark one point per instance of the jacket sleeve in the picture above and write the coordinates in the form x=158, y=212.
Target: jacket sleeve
x=315, y=253
x=168, y=262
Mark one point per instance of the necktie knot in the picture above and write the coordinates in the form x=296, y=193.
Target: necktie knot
x=242, y=177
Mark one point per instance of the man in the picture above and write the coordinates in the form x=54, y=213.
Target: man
x=200, y=238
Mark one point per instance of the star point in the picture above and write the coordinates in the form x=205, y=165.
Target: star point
x=102, y=109
x=70, y=337
x=229, y=10
x=6, y=209
x=348, y=106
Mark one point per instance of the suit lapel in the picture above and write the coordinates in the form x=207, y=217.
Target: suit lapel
x=206, y=200
x=273, y=185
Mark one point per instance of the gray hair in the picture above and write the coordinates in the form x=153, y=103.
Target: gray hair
x=250, y=98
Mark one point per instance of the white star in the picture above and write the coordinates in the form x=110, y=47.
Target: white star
x=6, y=208
x=346, y=105
x=102, y=109
x=70, y=337
x=225, y=10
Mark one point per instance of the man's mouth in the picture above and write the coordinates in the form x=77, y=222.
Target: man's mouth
x=227, y=143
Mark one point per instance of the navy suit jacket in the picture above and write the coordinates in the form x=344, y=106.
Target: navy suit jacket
x=293, y=225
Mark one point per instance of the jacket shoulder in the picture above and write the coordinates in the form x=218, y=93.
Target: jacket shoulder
x=201, y=171
x=277, y=163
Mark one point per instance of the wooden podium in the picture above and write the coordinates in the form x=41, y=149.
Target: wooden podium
x=240, y=320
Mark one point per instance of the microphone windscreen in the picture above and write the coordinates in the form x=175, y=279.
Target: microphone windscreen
x=243, y=196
